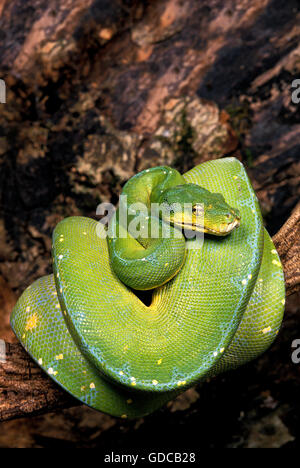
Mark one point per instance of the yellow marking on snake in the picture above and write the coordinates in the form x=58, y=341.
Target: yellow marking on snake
x=32, y=322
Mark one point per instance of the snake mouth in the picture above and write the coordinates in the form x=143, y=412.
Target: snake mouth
x=223, y=229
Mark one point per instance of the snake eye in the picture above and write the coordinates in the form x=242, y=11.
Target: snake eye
x=228, y=216
x=198, y=209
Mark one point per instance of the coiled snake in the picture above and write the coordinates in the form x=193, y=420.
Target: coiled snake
x=213, y=308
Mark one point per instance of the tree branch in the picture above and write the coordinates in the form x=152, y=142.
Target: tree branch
x=25, y=390
x=287, y=242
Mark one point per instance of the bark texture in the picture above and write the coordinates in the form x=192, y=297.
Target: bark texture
x=287, y=241
x=25, y=390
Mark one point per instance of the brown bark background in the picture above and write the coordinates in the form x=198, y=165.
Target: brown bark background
x=99, y=89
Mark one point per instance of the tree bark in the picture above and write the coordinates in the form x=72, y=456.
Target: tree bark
x=287, y=242
x=25, y=390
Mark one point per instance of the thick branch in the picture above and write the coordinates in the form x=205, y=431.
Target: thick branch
x=287, y=242
x=25, y=390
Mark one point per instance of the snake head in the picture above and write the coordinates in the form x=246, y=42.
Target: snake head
x=194, y=208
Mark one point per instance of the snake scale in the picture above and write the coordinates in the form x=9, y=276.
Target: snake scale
x=213, y=308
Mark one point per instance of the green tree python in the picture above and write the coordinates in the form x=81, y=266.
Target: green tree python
x=213, y=308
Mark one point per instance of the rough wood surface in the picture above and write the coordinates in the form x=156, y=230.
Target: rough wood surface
x=287, y=241
x=26, y=390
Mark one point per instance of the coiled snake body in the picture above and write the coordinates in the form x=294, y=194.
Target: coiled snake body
x=212, y=309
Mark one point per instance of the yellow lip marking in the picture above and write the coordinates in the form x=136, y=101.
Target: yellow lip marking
x=32, y=322
x=154, y=382
x=92, y=386
x=121, y=373
x=181, y=382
